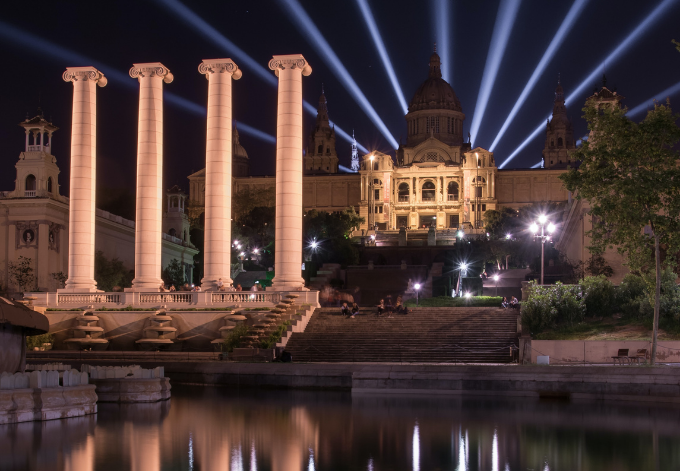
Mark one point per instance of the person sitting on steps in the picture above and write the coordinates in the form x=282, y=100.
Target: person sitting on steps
x=381, y=308
x=355, y=309
x=514, y=303
x=505, y=303
x=399, y=307
x=345, y=309
x=388, y=306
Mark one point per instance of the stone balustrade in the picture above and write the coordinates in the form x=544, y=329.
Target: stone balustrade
x=124, y=372
x=176, y=299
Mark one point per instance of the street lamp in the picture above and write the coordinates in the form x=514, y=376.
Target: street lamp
x=463, y=267
x=542, y=220
x=495, y=278
x=417, y=287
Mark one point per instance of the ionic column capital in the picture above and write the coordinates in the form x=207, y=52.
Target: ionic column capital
x=291, y=61
x=151, y=69
x=78, y=74
x=220, y=66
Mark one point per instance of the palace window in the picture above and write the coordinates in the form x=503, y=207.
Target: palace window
x=559, y=142
x=403, y=193
x=49, y=184
x=452, y=191
x=320, y=149
x=428, y=191
x=30, y=183
x=376, y=194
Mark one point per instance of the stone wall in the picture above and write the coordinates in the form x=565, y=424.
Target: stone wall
x=600, y=351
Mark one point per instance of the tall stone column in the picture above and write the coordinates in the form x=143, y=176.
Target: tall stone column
x=218, y=150
x=81, y=214
x=148, y=221
x=288, y=252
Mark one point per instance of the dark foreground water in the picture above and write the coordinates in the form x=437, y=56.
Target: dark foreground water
x=219, y=429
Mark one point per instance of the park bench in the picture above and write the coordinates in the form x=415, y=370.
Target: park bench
x=622, y=356
x=640, y=356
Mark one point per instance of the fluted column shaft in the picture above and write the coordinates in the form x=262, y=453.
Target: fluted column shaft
x=218, y=157
x=83, y=177
x=148, y=220
x=288, y=225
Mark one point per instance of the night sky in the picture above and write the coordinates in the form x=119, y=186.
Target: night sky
x=114, y=35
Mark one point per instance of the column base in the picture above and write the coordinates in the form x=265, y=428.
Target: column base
x=145, y=285
x=79, y=290
x=80, y=286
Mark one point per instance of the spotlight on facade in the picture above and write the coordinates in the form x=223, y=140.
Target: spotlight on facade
x=299, y=16
x=380, y=46
x=505, y=19
x=557, y=40
x=589, y=81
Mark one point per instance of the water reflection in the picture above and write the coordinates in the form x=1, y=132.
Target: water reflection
x=211, y=429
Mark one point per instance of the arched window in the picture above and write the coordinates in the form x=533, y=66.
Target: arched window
x=172, y=232
x=559, y=142
x=428, y=191
x=452, y=191
x=49, y=184
x=328, y=150
x=403, y=193
x=375, y=165
x=320, y=149
x=30, y=183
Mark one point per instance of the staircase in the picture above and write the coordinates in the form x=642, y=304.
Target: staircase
x=425, y=335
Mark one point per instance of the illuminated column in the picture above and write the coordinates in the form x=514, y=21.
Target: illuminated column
x=81, y=213
x=288, y=242
x=217, y=249
x=148, y=221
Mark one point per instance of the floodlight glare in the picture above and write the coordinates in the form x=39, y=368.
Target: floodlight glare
x=564, y=28
x=467, y=295
x=371, y=157
x=373, y=236
x=542, y=218
x=645, y=105
x=495, y=277
x=534, y=228
x=256, y=251
x=461, y=234
x=623, y=46
x=463, y=266
x=314, y=244
x=242, y=254
x=441, y=27
x=417, y=286
x=508, y=236
x=505, y=18
x=551, y=228
x=380, y=46
x=308, y=29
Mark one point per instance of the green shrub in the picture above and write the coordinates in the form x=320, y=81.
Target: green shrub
x=600, y=296
x=274, y=337
x=33, y=341
x=549, y=306
x=233, y=340
x=448, y=301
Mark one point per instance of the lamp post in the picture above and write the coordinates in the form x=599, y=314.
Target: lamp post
x=543, y=224
x=495, y=278
x=371, y=198
x=463, y=273
x=417, y=287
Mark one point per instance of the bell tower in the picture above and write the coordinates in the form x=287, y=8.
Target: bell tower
x=559, y=134
x=37, y=170
x=321, y=156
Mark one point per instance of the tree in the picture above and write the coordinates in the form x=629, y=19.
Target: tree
x=333, y=231
x=111, y=274
x=173, y=274
x=60, y=277
x=246, y=199
x=629, y=175
x=21, y=273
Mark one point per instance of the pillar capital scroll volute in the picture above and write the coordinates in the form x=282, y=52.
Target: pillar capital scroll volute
x=78, y=74
x=219, y=66
x=290, y=61
x=151, y=69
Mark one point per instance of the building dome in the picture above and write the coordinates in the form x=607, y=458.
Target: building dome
x=237, y=149
x=435, y=93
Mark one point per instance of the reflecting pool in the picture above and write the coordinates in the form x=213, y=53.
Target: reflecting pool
x=248, y=430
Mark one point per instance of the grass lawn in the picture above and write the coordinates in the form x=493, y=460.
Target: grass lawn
x=609, y=328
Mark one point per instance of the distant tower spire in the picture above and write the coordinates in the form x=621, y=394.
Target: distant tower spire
x=355, y=154
x=435, y=46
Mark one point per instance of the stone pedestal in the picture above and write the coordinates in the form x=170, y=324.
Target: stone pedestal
x=148, y=221
x=83, y=177
x=431, y=236
x=403, y=238
x=288, y=253
x=217, y=248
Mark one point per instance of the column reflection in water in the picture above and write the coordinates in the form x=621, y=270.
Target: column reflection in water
x=494, y=451
x=416, y=447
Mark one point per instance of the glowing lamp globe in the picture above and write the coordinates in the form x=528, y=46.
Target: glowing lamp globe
x=417, y=286
x=534, y=228
x=542, y=218
x=551, y=228
x=495, y=278
x=467, y=295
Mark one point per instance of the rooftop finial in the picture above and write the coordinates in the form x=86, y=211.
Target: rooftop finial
x=435, y=46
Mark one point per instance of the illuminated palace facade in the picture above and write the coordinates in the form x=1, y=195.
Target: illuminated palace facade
x=437, y=180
